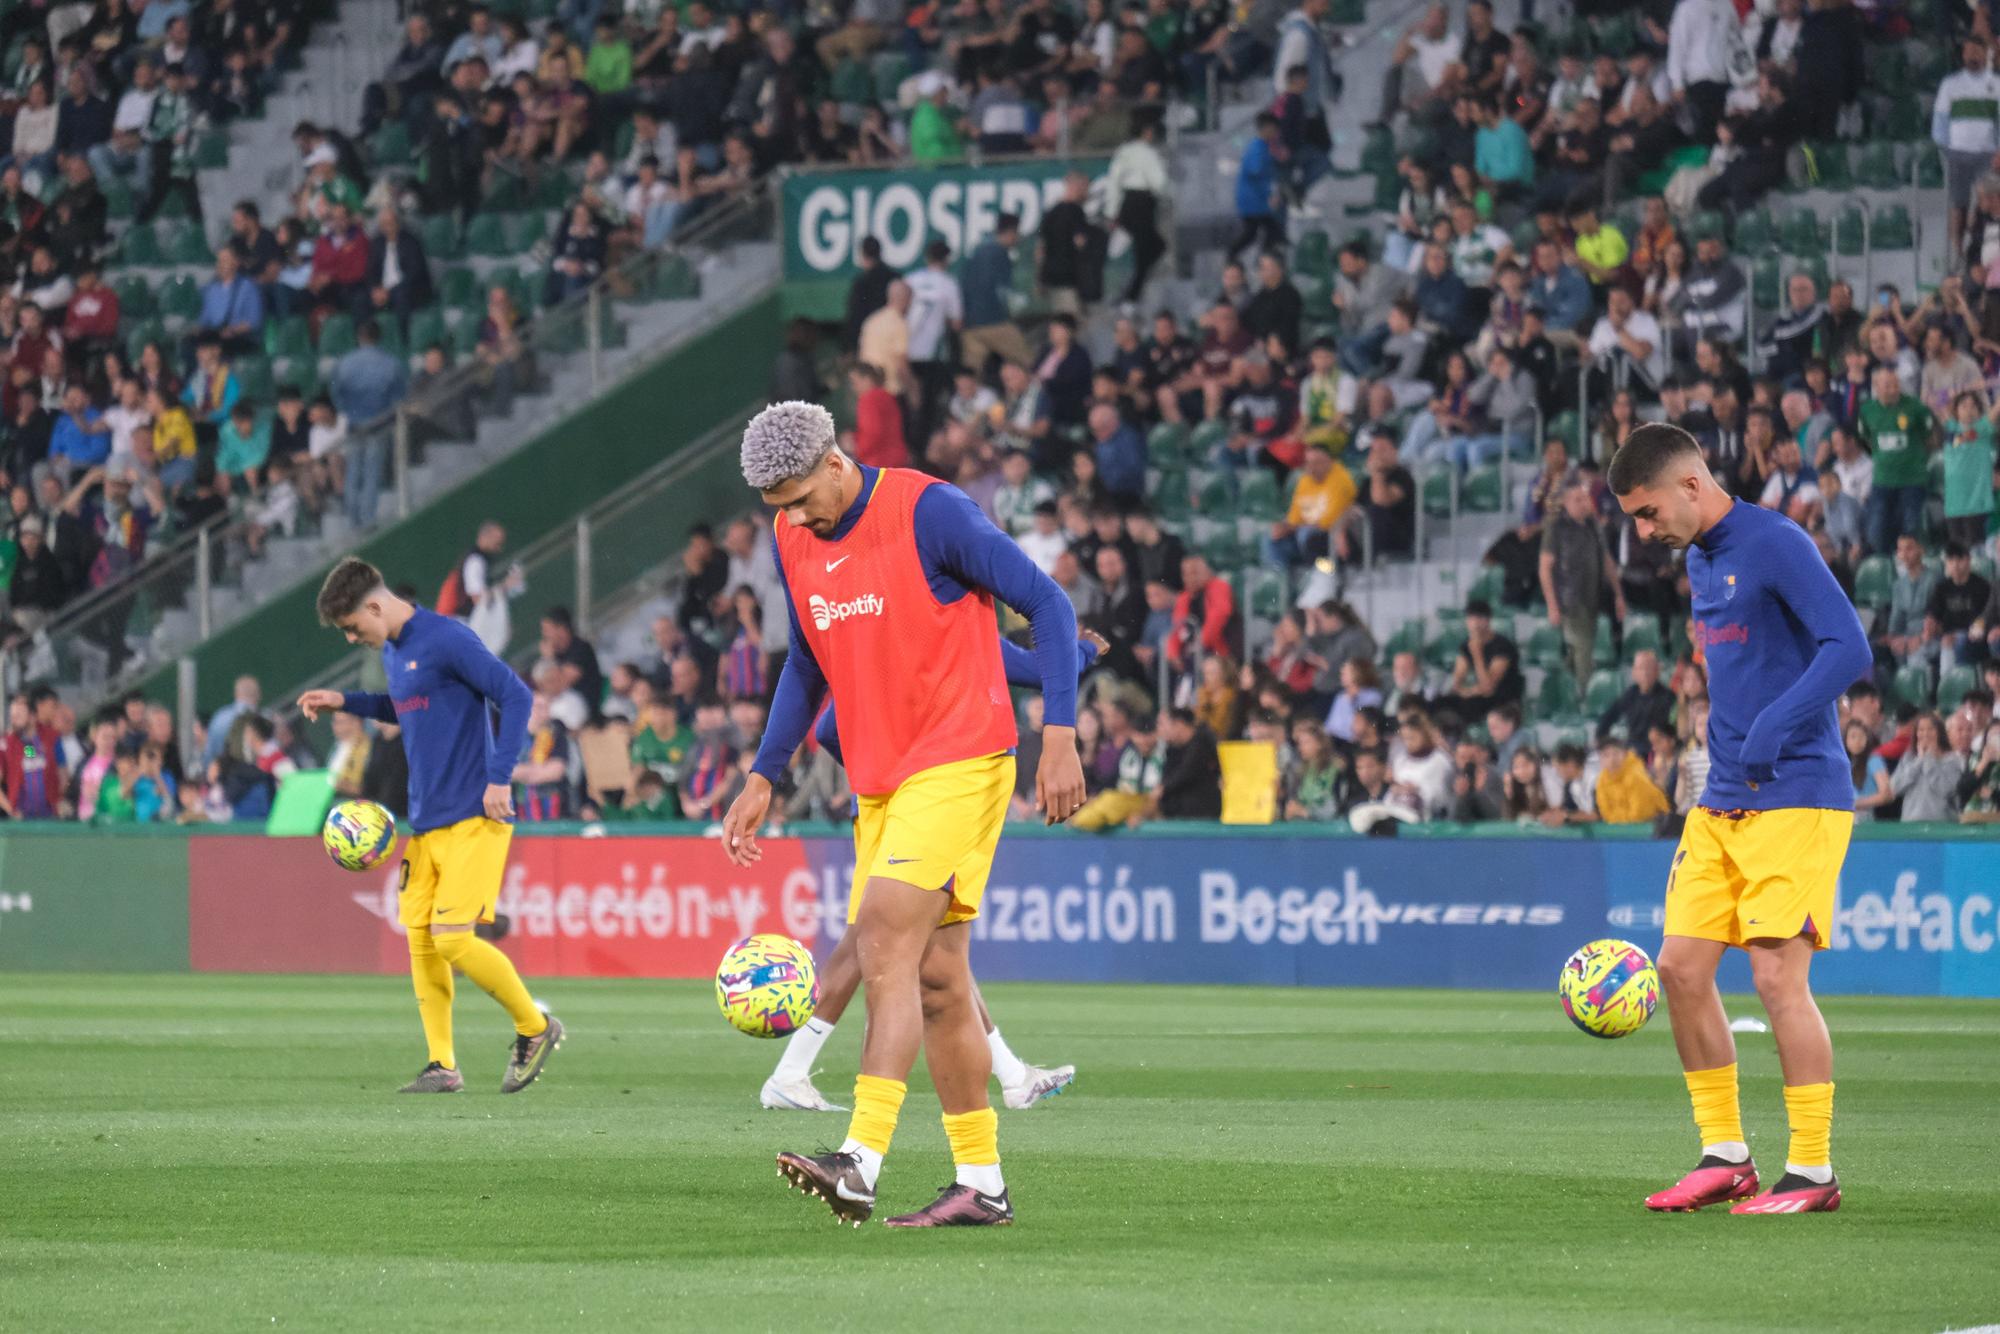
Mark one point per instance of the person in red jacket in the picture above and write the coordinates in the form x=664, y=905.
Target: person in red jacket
x=878, y=420
x=92, y=322
x=30, y=765
x=1207, y=596
x=339, y=278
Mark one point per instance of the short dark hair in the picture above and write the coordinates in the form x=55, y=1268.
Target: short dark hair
x=368, y=331
x=937, y=252
x=1479, y=607
x=871, y=247
x=1510, y=711
x=1007, y=222
x=1956, y=551
x=559, y=615
x=1181, y=714
x=1863, y=690
x=1649, y=451
x=347, y=586
x=1979, y=695
x=1569, y=753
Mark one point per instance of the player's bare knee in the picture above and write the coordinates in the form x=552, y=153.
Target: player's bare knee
x=1683, y=971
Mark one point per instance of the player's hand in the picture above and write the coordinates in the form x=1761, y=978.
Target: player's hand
x=1059, y=776
x=315, y=702
x=746, y=815
x=499, y=802
x=1092, y=637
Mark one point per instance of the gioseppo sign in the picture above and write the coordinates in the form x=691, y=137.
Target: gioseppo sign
x=828, y=213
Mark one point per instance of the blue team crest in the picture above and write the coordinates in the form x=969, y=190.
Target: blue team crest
x=1728, y=587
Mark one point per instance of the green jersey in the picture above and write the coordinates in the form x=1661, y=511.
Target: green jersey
x=663, y=755
x=1899, y=435
x=1968, y=471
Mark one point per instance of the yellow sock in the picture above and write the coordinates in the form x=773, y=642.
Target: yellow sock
x=1809, y=1108
x=1716, y=1111
x=974, y=1136
x=877, y=1103
x=494, y=972
x=432, y=976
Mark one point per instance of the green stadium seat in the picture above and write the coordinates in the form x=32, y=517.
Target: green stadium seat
x=1409, y=638
x=1557, y=697
x=1222, y=550
x=1891, y=229
x=118, y=201
x=144, y=332
x=135, y=298
x=853, y=84
x=1801, y=234
x=180, y=297
x=336, y=335
x=1314, y=254
x=1602, y=654
x=1436, y=489
x=458, y=288
x=1767, y=286
x=1912, y=685
x=486, y=236
x=1568, y=428
x=1481, y=492
x=253, y=379
x=1487, y=585
x=1168, y=443
x=211, y=151
x=1826, y=166
x=1930, y=167
x=1214, y=493
x=1888, y=65
x=186, y=244
x=427, y=327
x=289, y=337
x=1952, y=687
x=440, y=237
x=1205, y=437
x=1544, y=648
x=392, y=340
x=1603, y=691
x=1258, y=495
x=140, y=245
x=1642, y=631
x=1875, y=166
x=1441, y=651
x=1756, y=230
x=391, y=145
x=525, y=230
x=1850, y=231
x=1388, y=189
x=553, y=190
x=1875, y=581
x=1378, y=153
x=1267, y=594
x=889, y=68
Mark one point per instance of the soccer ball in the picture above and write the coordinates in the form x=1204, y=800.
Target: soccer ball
x=1608, y=988
x=766, y=985
x=359, y=834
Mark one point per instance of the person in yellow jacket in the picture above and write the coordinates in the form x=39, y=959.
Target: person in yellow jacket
x=1626, y=793
x=1322, y=491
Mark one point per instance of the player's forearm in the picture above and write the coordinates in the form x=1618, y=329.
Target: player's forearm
x=368, y=704
x=801, y=688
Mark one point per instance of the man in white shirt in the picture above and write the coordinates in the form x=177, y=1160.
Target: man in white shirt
x=1704, y=51
x=1435, y=49
x=1965, y=123
x=123, y=156
x=937, y=310
x=1628, y=345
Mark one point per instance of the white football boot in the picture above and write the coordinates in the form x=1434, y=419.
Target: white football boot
x=1039, y=1083
x=795, y=1095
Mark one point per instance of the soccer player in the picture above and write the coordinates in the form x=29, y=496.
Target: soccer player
x=442, y=681
x=1760, y=854
x=790, y=1086
x=890, y=578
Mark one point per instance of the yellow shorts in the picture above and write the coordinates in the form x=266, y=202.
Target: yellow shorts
x=451, y=876
x=1758, y=875
x=937, y=831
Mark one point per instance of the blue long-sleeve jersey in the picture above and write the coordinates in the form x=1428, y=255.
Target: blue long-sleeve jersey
x=441, y=682
x=1021, y=668
x=1782, y=644
x=960, y=550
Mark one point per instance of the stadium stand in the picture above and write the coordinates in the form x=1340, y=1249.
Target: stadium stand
x=1331, y=473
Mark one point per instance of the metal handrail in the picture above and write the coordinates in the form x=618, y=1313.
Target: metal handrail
x=578, y=535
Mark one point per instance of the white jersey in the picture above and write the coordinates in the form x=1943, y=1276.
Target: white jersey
x=935, y=304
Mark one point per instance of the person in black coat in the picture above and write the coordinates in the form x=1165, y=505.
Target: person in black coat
x=37, y=587
x=399, y=276
x=1191, y=775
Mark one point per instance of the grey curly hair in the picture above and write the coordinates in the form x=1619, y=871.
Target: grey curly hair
x=784, y=441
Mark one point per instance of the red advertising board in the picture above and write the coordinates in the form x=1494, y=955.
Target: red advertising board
x=580, y=907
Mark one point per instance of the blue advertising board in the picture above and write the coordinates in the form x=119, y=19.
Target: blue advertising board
x=1913, y=918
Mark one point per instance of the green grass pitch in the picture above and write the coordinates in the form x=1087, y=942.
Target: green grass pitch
x=218, y=1153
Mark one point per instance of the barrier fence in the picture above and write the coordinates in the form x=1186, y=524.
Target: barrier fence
x=1280, y=906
